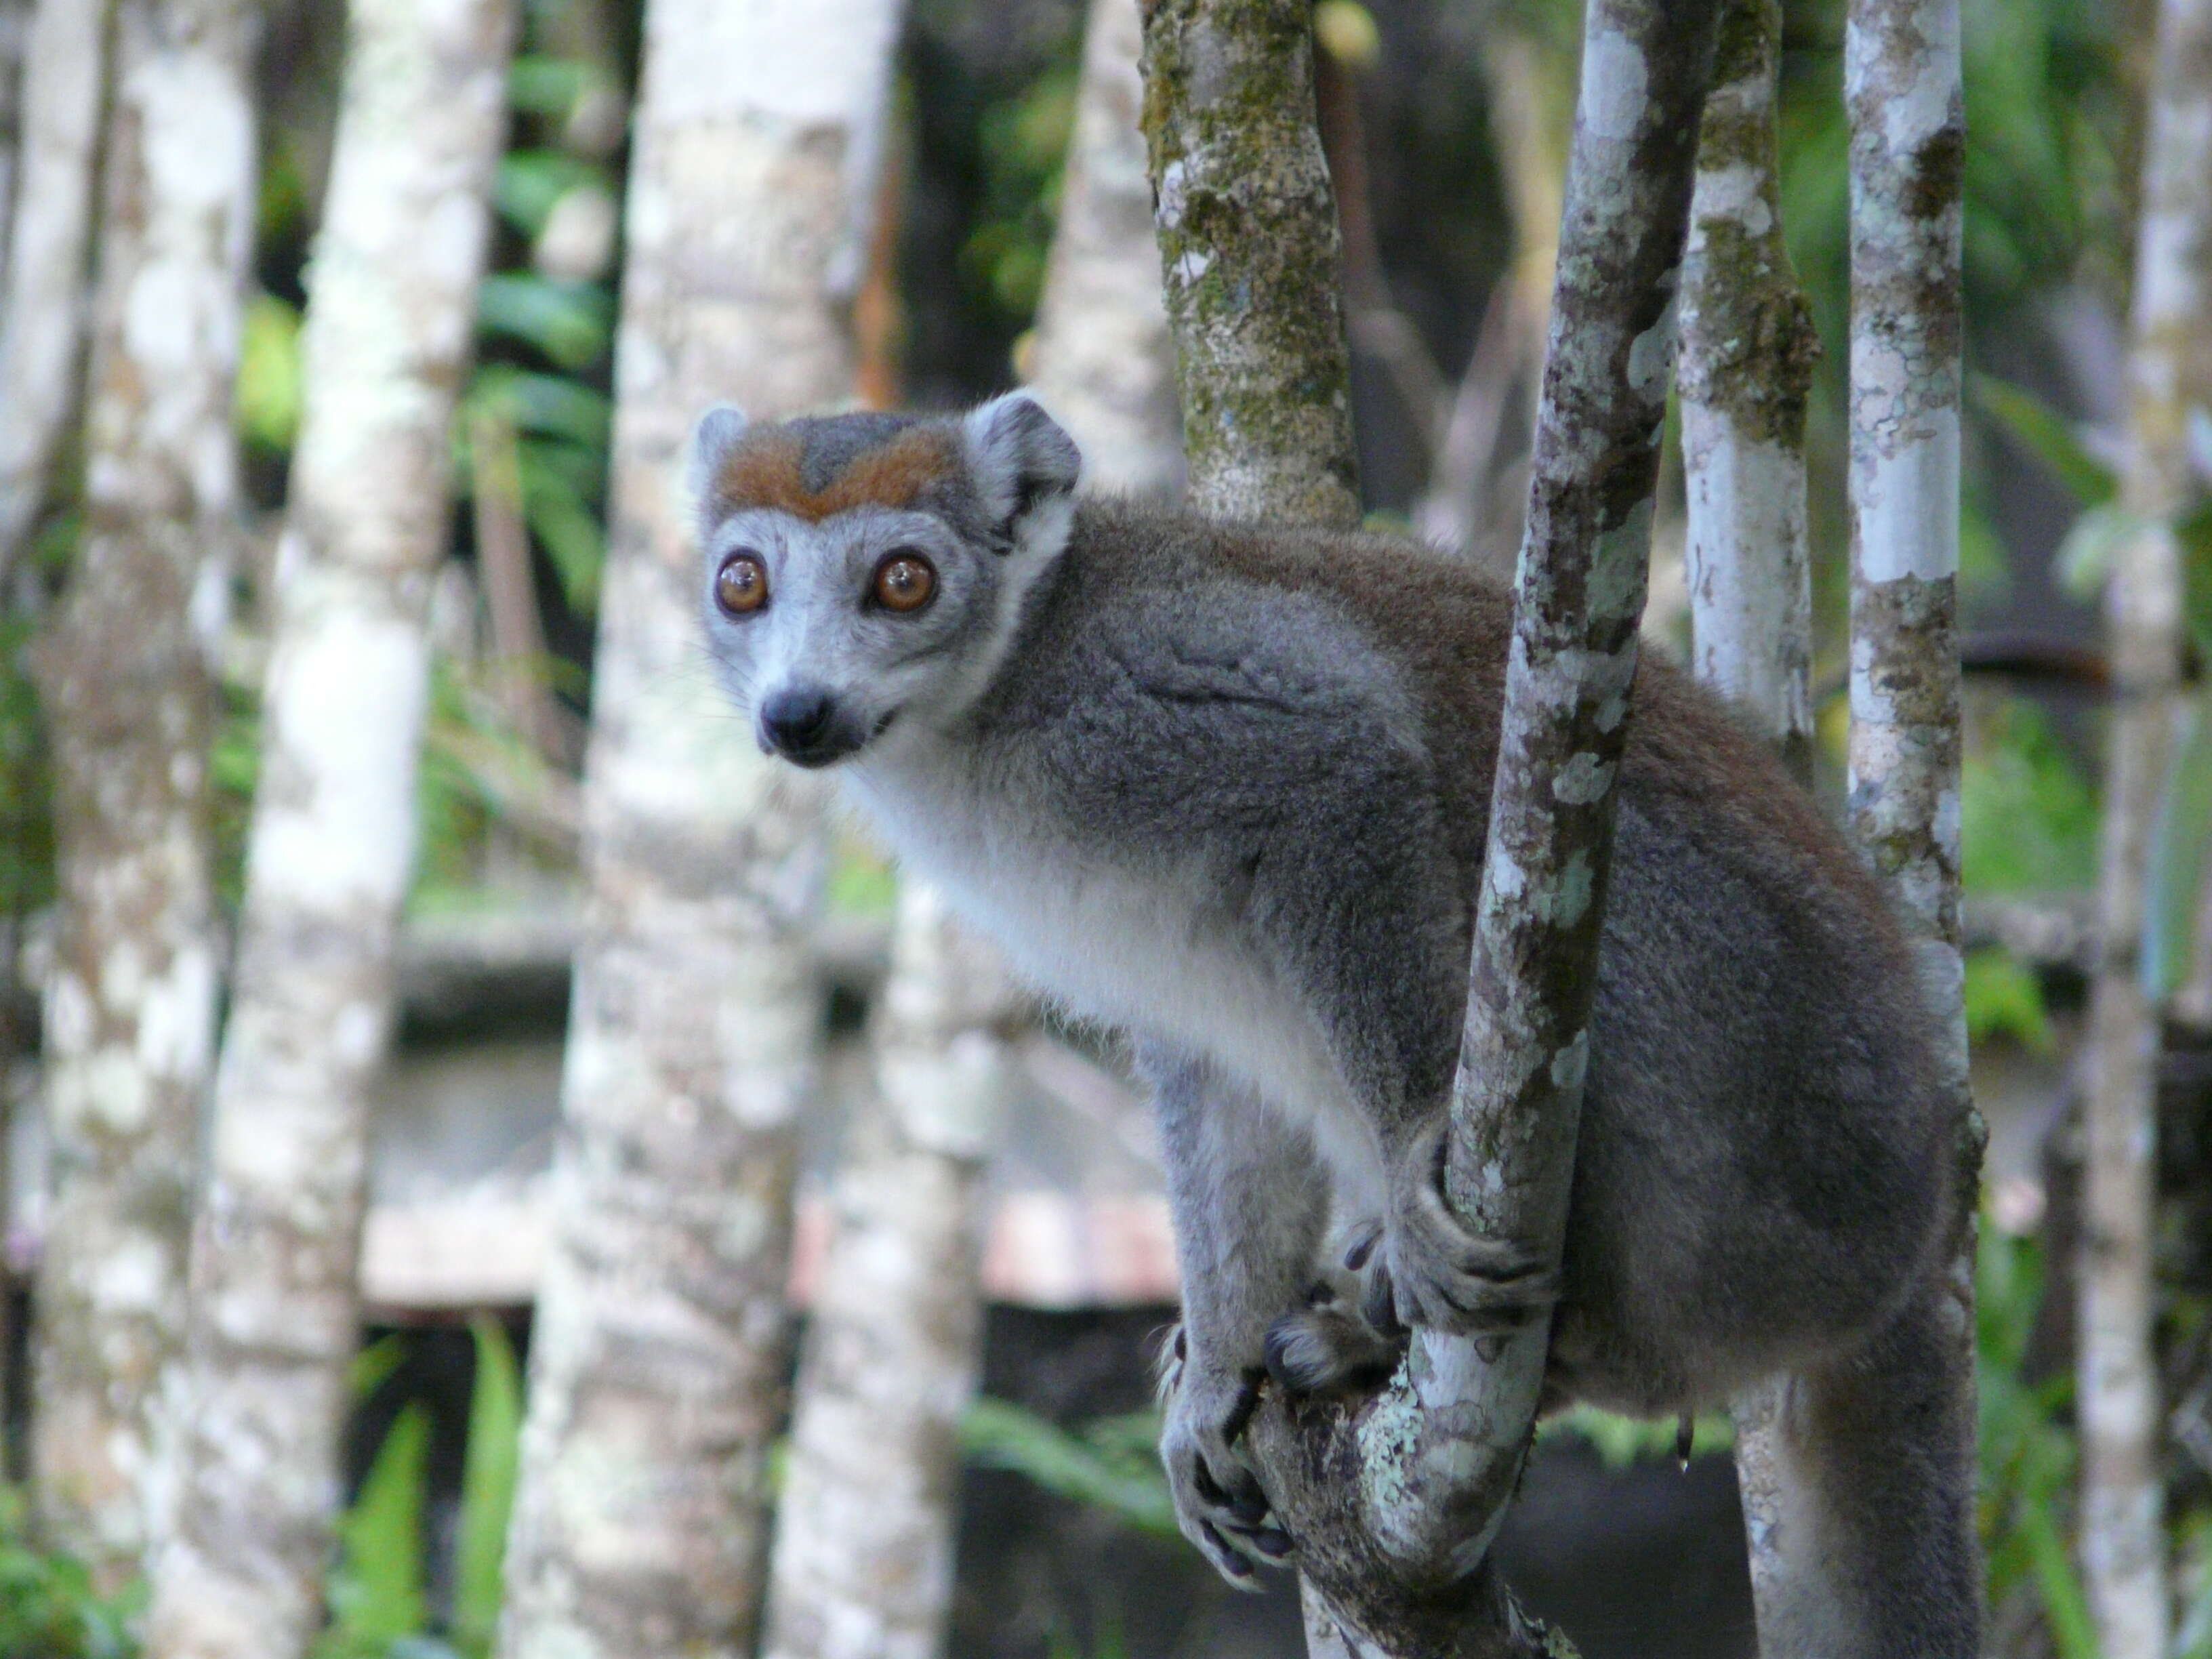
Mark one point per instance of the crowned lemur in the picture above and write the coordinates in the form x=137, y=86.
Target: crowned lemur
x=1226, y=786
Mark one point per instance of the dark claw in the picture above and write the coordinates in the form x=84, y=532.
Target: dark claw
x=1247, y=1403
x=1363, y=1246
x=1250, y=1505
x=1273, y=1543
x=1379, y=1306
x=1224, y=1558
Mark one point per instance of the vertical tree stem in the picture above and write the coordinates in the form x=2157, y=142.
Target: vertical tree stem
x=129, y=1002
x=2124, y=1546
x=275, y=1310
x=1746, y=361
x=658, y=1367
x=1905, y=108
x=42, y=325
x=1248, y=239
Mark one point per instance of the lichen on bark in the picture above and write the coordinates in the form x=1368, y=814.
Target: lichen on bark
x=1247, y=230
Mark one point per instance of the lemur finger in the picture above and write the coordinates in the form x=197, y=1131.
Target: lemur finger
x=1364, y=1240
x=1228, y=1559
x=1379, y=1303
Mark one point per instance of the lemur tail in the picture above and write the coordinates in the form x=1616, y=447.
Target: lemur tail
x=1872, y=1552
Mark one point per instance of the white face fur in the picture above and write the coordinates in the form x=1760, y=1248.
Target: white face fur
x=831, y=632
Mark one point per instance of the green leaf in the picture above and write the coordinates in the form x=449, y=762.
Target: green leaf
x=565, y=525
x=2047, y=436
x=2193, y=535
x=542, y=85
x=487, y=1486
x=376, y=1592
x=2179, y=841
x=1000, y=1436
x=2064, y=1603
x=2004, y=998
x=569, y=322
x=549, y=406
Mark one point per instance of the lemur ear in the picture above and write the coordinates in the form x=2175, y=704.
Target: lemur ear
x=712, y=440
x=1019, y=456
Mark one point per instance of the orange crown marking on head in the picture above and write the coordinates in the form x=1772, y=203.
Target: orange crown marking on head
x=766, y=472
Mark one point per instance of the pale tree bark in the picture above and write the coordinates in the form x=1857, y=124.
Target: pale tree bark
x=1104, y=362
x=275, y=1316
x=1249, y=250
x=658, y=1363
x=1394, y=1513
x=1747, y=351
x=130, y=999
x=863, y=1562
x=42, y=326
x=1902, y=89
x=2123, y=1545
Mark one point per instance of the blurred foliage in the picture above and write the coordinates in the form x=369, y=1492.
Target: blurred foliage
x=2027, y=812
x=2027, y=1450
x=49, y=1606
x=1110, y=1463
x=1022, y=142
x=2004, y=998
x=379, y=1602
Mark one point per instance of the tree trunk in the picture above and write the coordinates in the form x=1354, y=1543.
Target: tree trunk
x=1392, y=1517
x=129, y=1002
x=1248, y=241
x=658, y=1367
x=863, y=1566
x=1747, y=353
x=275, y=1310
x=1746, y=361
x=1104, y=362
x=42, y=329
x=2170, y=373
x=1902, y=89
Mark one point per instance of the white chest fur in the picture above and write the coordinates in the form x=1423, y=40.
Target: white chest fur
x=1145, y=948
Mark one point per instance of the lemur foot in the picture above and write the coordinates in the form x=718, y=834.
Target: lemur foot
x=1326, y=1347
x=1424, y=1267
x=1218, y=1501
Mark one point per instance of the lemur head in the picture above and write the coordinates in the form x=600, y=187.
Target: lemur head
x=861, y=570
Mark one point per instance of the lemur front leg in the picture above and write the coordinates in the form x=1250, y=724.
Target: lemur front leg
x=1362, y=908
x=1250, y=1204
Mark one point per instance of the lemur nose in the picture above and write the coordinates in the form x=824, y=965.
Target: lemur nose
x=796, y=719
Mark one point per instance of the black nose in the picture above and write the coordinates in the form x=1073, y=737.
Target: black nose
x=797, y=721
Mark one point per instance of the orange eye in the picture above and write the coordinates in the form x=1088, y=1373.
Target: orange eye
x=741, y=585
x=905, y=581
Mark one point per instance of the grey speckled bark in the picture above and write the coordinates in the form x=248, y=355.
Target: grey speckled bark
x=130, y=999
x=1248, y=239
x=863, y=1563
x=276, y=1312
x=1104, y=361
x=42, y=325
x=1902, y=89
x=1394, y=1512
x=657, y=1369
x=1747, y=353
x=2123, y=1541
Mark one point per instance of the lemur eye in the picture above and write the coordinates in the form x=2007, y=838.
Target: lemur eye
x=741, y=585
x=905, y=581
